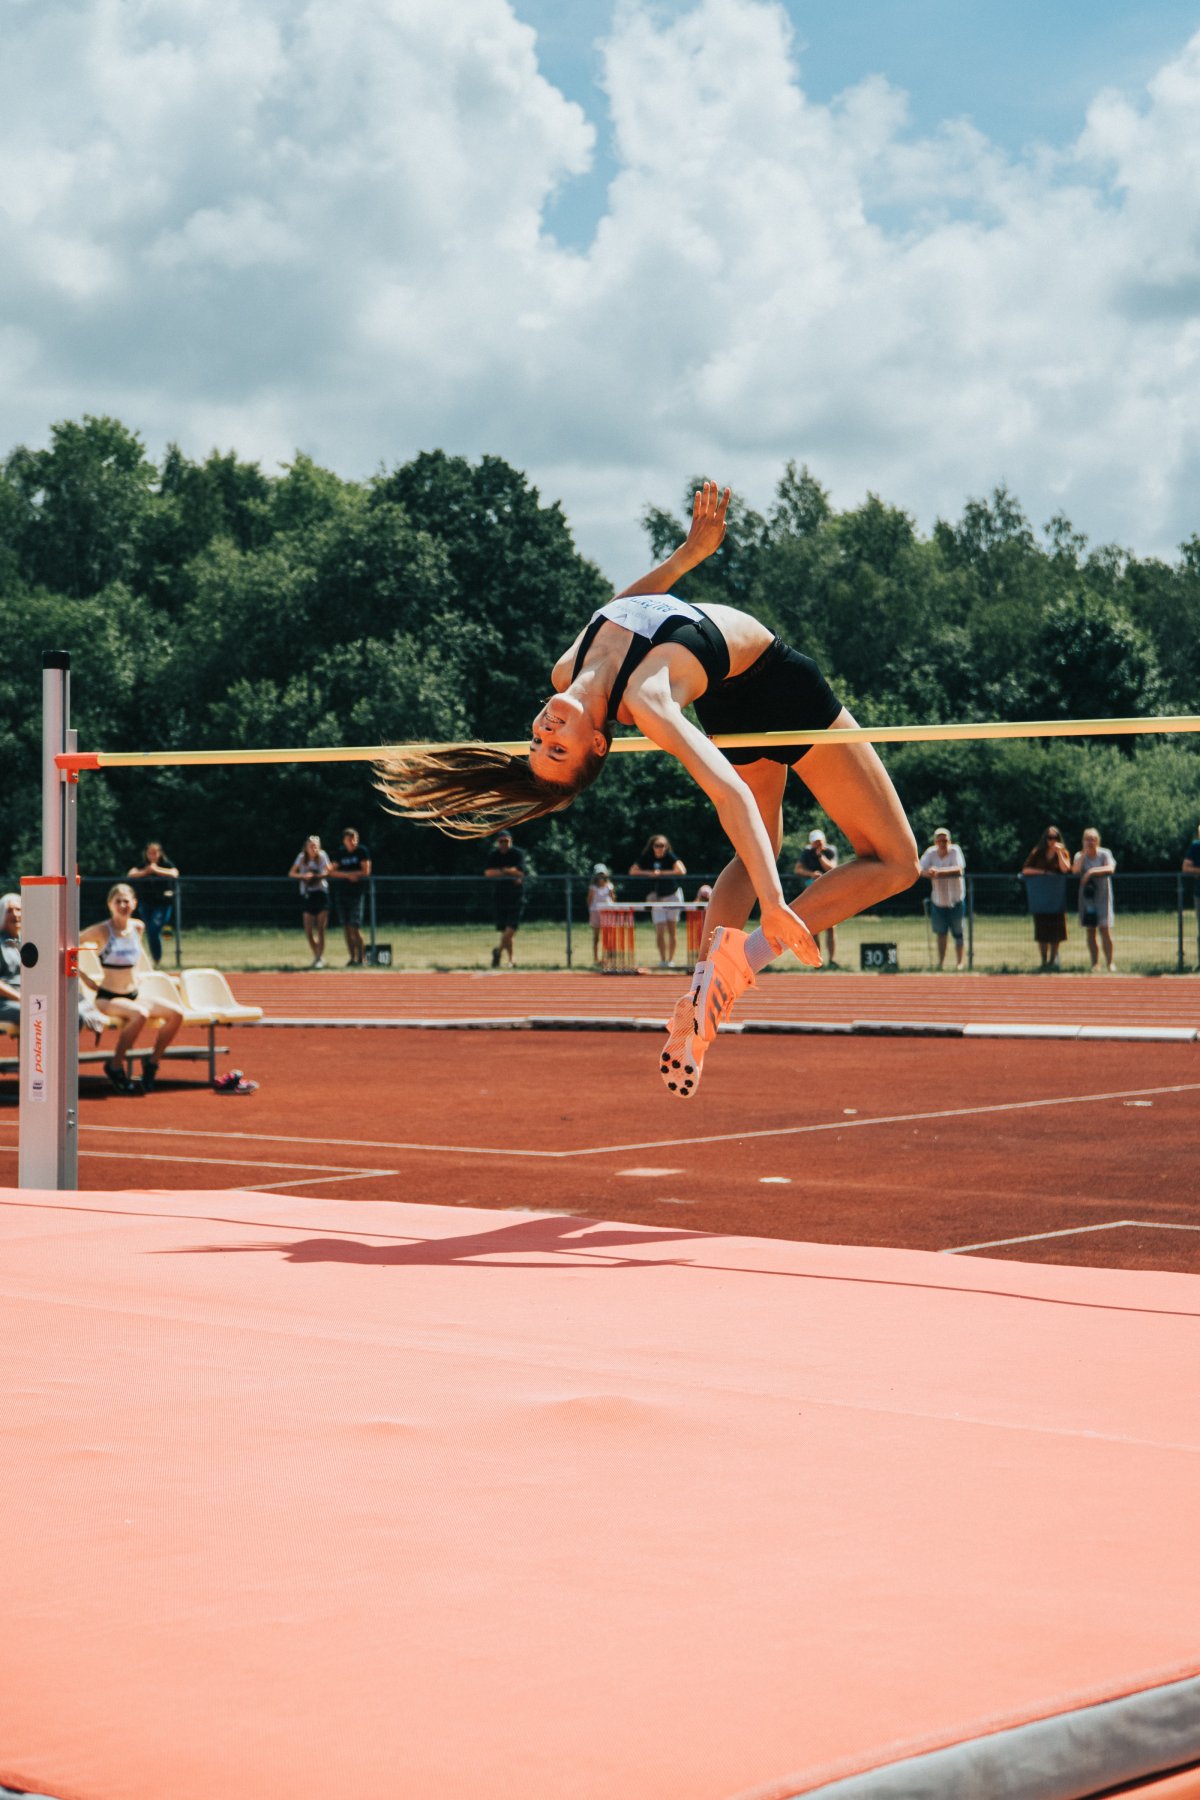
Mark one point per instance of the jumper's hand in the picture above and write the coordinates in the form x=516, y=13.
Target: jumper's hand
x=708, y=522
x=787, y=931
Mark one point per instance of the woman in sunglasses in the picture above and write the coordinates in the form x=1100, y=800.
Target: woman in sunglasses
x=657, y=859
x=1045, y=874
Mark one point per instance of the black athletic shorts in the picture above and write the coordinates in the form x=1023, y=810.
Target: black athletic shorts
x=782, y=691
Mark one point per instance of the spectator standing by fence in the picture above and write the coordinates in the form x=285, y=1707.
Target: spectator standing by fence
x=665, y=895
x=1045, y=870
x=943, y=864
x=1094, y=867
x=1191, y=866
x=815, y=860
x=506, y=867
x=351, y=871
x=601, y=893
x=311, y=870
x=153, y=884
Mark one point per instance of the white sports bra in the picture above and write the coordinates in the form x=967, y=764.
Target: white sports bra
x=121, y=951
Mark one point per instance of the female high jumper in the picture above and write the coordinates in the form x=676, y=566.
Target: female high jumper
x=639, y=661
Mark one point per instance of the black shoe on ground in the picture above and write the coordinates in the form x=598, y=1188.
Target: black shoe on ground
x=119, y=1078
x=149, y=1074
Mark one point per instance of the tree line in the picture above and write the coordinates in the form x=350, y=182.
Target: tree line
x=209, y=604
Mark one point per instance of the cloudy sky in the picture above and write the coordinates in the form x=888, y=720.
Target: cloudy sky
x=924, y=247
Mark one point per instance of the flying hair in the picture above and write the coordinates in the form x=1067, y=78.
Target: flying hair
x=474, y=790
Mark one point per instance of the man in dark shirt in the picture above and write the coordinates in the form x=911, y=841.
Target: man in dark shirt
x=350, y=873
x=153, y=882
x=506, y=867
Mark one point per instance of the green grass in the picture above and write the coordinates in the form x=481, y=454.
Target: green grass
x=1144, y=943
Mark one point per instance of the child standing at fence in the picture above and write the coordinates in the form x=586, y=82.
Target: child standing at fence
x=600, y=894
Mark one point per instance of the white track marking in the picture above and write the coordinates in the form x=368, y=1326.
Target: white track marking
x=264, y=1187
x=1036, y=1237
x=279, y=1137
x=226, y=1162
x=843, y=1124
x=674, y=1143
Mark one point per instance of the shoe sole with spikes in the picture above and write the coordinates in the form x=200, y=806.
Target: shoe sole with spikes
x=683, y=1052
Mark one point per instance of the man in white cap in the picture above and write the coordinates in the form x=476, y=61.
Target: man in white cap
x=816, y=859
x=943, y=864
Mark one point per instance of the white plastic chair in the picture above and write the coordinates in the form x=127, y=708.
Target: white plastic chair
x=207, y=991
x=160, y=987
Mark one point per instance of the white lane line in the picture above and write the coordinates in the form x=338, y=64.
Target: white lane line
x=227, y=1162
x=1036, y=1237
x=676, y=1143
x=844, y=1124
x=265, y=1187
x=279, y=1137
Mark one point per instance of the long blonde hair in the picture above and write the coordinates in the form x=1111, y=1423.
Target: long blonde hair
x=474, y=790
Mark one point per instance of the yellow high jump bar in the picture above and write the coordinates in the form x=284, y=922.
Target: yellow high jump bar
x=73, y=762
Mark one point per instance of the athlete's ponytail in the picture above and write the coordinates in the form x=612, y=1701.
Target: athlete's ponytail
x=475, y=790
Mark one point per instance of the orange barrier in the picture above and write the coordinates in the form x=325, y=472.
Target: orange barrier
x=695, y=932
x=303, y=1498
x=618, y=945
x=618, y=934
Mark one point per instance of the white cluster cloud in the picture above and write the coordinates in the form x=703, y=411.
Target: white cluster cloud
x=272, y=225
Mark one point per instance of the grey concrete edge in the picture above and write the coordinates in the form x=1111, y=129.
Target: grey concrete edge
x=1072, y=1756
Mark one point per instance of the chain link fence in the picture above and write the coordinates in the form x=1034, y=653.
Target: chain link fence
x=446, y=922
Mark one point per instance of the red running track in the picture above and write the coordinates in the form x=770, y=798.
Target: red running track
x=1082, y=1153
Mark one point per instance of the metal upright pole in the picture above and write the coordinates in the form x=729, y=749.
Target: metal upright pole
x=49, y=1078
x=970, y=922
x=69, y=963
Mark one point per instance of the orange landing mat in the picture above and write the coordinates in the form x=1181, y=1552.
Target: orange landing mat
x=306, y=1499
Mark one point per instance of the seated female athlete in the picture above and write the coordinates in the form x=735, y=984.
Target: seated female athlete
x=640, y=661
x=118, y=939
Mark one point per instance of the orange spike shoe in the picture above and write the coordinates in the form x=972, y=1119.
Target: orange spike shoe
x=683, y=1052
